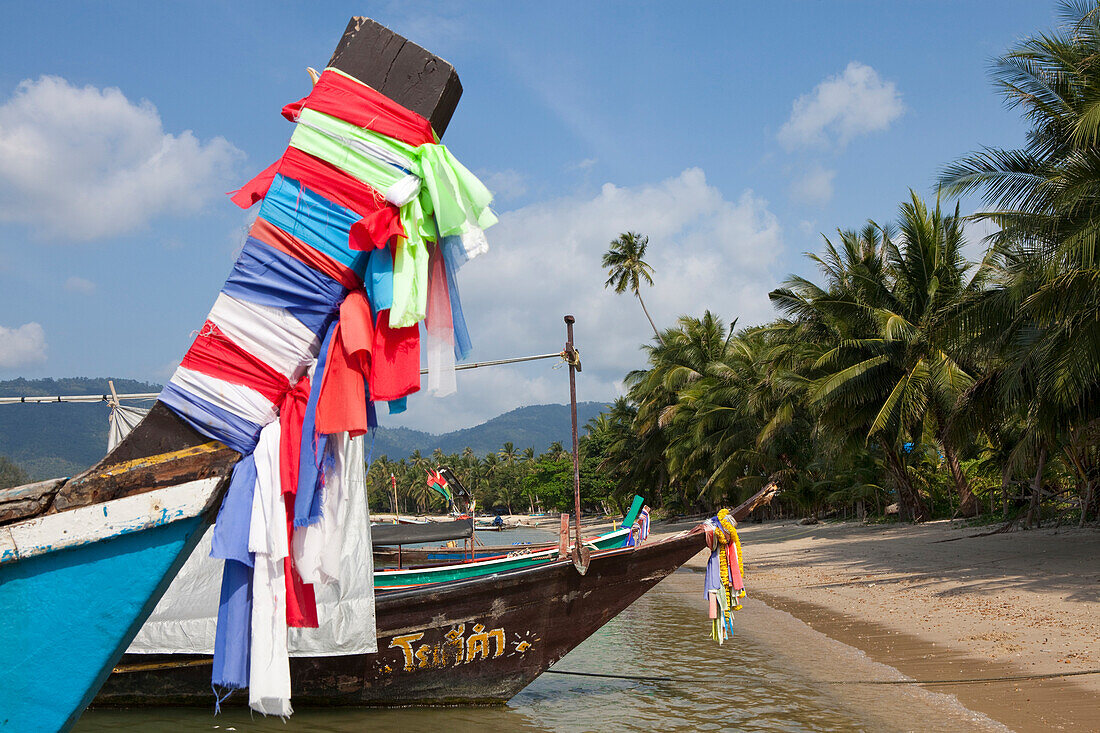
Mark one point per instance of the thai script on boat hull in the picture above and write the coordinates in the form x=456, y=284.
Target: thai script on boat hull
x=455, y=647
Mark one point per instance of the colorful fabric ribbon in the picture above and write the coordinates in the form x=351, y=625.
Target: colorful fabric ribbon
x=724, y=583
x=317, y=320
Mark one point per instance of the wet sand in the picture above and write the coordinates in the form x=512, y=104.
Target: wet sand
x=936, y=603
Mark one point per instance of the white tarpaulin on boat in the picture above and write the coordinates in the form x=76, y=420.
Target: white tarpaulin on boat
x=122, y=420
x=186, y=617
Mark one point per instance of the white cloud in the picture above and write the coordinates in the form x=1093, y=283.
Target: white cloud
x=504, y=185
x=707, y=252
x=22, y=346
x=853, y=103
x=79, y=285
x=84, y=163
x=814, y=187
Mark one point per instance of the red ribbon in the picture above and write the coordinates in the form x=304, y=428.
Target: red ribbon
x=273, y=236
x=365, y=352
x=352, y=101
x=342, y=405
x=380, y=220
x=217, y=355
x=301, y=604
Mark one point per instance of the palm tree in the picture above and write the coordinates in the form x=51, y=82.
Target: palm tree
x=680, y=359
x=888, y=369
x=557, y=451
x=1042, y=319
x=627, y=269
x=508, y=454
x=488, y=471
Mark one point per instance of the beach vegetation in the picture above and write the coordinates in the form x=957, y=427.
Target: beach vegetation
x=905, y=376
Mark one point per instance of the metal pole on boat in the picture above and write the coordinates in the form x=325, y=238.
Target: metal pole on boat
x=396, y=506
x=580, y=552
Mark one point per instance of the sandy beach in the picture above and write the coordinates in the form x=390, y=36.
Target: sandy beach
x=935, y=602
x=940, y=603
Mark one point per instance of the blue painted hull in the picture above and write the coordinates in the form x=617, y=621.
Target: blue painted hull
x=68, y=616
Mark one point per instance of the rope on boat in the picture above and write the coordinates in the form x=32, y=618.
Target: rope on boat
x=79, y=398
x=966, y=681
x=616, y=676
x=154, y=395
x=155, y=666
x=499, y=362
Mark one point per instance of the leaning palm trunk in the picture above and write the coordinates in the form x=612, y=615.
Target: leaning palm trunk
x=651, y=323
x=968, y=503
x=1086, y=503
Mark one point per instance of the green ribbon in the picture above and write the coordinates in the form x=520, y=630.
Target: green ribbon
x=449, y=200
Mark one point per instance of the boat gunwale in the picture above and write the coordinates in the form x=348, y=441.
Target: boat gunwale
x=399, y=573
x=395, y=592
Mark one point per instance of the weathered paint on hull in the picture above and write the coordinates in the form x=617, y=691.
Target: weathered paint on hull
x=68, y=616
x=470, y=642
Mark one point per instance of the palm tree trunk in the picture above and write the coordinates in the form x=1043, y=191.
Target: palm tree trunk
x=968, y=504
x=1036, y=489
x=909, y=500
x=1006, y=474
x=1086, y=502
x=651, y=323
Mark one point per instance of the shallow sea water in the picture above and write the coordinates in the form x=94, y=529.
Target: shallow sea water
x=767, y=678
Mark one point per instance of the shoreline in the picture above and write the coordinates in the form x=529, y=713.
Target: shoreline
x=936, y=603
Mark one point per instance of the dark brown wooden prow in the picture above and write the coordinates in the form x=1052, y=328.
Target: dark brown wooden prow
x=539, y=613
x=163, y=450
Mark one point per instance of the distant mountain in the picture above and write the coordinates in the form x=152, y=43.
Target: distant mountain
x=53, y=440
x=59, y=439
x=534, y=426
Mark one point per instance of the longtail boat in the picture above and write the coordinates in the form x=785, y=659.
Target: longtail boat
x=84, y=560
x=433, y=555
x=477, y=641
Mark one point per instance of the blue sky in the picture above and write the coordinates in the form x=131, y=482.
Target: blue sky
x=731, y=134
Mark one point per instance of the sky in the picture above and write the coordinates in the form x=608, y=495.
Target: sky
x=731, y=134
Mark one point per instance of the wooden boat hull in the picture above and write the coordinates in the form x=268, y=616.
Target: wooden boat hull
x=478, y=641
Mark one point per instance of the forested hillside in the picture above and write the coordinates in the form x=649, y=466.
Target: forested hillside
x=53, y=440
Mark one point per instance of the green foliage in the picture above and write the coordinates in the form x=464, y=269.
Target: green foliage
x=58, y=439
x=11, y=474
x=907, y=375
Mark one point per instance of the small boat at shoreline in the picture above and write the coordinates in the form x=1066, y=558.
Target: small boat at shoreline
x=466, y=569
x=91, y=556
x=429, y=555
